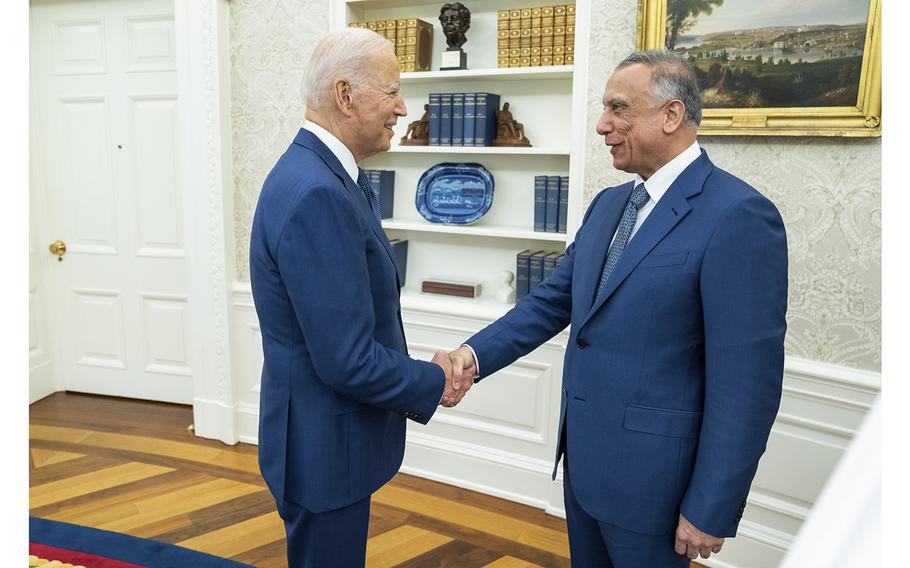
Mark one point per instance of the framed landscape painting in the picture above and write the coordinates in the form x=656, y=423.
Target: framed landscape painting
x=776, y=67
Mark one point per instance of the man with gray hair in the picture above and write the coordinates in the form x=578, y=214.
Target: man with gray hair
x=676, y=291
x=337, y=382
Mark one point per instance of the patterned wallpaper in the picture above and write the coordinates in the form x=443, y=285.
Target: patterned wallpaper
x=828, y=190
x=271, y=41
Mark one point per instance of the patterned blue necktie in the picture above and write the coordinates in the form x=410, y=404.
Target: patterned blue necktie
x=636, y=201
x=369, y=193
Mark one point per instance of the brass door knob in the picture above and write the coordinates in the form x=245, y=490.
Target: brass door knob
x=58, y=248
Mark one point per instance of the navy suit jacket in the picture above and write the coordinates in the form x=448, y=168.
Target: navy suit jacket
x=672, y=378
x=337, y=382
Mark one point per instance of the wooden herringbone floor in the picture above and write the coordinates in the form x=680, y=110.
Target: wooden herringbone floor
x=131, y=466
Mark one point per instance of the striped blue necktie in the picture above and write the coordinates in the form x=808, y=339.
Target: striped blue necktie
x=636, y=201
x=363, y=181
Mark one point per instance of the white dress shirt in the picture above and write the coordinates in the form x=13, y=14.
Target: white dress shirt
x=336, y=146
x=656, y=186
x=660, y=181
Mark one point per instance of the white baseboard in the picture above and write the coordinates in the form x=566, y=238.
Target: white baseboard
x=214, y=420
x=41, y=381
x=493, y=472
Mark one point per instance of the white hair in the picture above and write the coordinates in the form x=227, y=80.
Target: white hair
x=344, y=54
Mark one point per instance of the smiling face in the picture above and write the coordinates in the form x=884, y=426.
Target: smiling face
x=630, y=124
x=377, y=104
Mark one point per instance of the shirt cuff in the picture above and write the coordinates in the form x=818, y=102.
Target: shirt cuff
x=476, y=362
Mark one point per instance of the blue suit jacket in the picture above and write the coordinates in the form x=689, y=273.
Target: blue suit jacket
x=337, y=382
x=672, y=378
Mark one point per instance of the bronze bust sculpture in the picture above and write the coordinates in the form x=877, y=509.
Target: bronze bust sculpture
x=455, y=19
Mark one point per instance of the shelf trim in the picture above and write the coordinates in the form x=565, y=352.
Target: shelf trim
x=467, y=230
x=499, y=150
x=496, y=73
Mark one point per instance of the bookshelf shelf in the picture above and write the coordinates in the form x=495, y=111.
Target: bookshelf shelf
x=498, y=74
x=473, y=231
x=487, y=150
x=476, y=5
x=485, y=307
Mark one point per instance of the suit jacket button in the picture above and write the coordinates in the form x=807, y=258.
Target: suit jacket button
x=581, y=343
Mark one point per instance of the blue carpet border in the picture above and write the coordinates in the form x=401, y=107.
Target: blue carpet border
x=124, y=547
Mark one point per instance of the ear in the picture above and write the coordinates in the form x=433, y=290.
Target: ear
x=343, y=95
x=675, y=115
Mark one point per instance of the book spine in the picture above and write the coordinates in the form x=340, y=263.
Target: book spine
x=434, y=119
x=552, y=204
x=535, y=271
x=559, y=259
x=375, y=180
x=549, y=265
x=521, y=274
x=458, y=119
x=469, y=107
x=480, y=118
x=485, y=118
x=445, y=119
x=561, y=222
x=540, y=203
x=386, y=193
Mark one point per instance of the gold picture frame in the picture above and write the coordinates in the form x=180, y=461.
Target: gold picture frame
x=860, y=120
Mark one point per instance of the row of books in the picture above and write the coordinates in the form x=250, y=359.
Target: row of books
x=384, y=183
x=536, y=37
x=412, y=38
x=532, y=268
x=551, y=203
x=462, y=119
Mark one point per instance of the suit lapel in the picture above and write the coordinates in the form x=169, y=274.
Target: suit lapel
x=310, y=141
x=669, y=211
x=602, y=234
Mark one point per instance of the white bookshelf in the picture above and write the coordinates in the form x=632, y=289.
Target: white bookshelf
x=546, y=100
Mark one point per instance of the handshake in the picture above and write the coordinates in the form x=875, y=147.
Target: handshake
x=459, y=368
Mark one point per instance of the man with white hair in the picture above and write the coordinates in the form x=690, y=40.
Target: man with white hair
x=337, y=381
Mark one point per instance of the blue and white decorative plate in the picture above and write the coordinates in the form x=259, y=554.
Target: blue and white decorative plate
x=454, y=194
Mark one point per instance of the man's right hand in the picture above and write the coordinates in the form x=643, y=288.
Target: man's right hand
x=441, y=358
x=463, y=371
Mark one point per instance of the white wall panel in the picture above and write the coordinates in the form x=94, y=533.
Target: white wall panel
x=151, y=43
x=165, y=330
x=79, y=47
x=153, y=142
x=500, y=440
x=99, y=314
x=86, y=144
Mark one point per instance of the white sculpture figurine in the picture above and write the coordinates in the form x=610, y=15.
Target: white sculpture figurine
x=506, y=293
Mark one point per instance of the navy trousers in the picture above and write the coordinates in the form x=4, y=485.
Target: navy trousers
x=335, y=538
x=595, y=544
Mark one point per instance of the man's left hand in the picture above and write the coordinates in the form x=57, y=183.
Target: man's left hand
x=693, y=542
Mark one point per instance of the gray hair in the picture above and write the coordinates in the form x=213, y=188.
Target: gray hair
x=346, y=54
x=672, y=78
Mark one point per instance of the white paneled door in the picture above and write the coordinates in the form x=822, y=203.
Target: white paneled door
x=104, y=75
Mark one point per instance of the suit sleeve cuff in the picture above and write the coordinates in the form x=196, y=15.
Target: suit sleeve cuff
x=476, y=362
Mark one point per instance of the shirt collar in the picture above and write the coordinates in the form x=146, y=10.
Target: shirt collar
x=336, y=146
x=661, y=180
